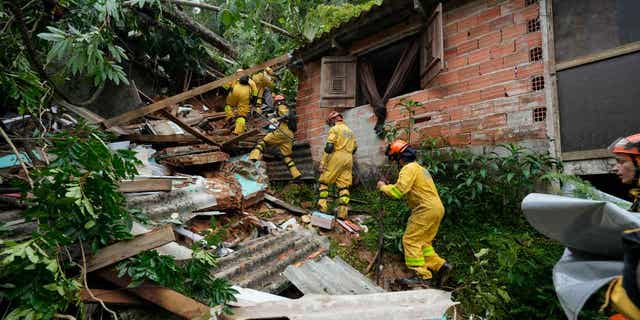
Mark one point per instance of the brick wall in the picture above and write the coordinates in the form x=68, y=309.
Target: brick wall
x=485, y=94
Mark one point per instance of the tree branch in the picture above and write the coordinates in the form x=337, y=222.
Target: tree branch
x=205, y=33
x=207, y=6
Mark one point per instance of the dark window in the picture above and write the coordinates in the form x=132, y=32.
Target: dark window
x=539, y=114
x=535, y=54
x=583, y=27
x=530, y=2
x=384, y=62
x=533, y=25
x=537, y=83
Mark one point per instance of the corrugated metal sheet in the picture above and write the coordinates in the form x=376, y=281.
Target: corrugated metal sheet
x=278, y=171
x=260, y=262
x=330, y=276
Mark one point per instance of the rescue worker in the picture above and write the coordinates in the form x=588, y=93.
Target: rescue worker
x=281, y=136
x=336, y=164
x=427, y=211
x=624, y=291
x=226, y=89
x=243, y=94
x=263, y=80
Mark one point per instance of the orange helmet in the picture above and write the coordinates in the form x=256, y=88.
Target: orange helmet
x=334, y=115
x=278, y=99
x=396, y=148
x=629, y=146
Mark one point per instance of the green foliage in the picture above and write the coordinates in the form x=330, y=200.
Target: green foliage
x=74, y=199
x=193, y=279
x=327, y=16
x=503, y=266
x=80, y=190
x=20, y=86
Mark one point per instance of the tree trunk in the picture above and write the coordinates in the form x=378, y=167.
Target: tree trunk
x=205, y=33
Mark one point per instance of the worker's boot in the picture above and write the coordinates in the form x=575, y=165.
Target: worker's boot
x=295, y=173
x=322, y=201
x=416, y=282
x=228, y=113
x=256, y=153
x=442, y=275
x=240, y=124
x=343, y=200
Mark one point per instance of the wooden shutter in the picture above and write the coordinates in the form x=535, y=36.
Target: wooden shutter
x=338, y=82
x=432, y=48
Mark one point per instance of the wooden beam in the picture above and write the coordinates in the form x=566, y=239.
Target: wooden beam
x=169, y=138
x=195, y=132
x=239, y=137
x=118, y=297
x=129, y=248
x=586, y=154
x=145, y=185
x=140, y=112
x=285, y=205
x=599, y=56
x=166, y=298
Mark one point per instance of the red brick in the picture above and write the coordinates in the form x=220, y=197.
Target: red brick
x=478, y=31
x=489, y=15
x=459, y=140
x=467, y=23
x=456, y=63
x=460, y=113
x=530, y=40
x=503, y=50
x=450, y=53
x=491, y=66
x=493, y=93
x=453, y=13
x=511, y=6
x=514, y=31
x=530, y=70
x=516, y=59
x=458, y=87
x=468, y=46
x=431, y=131
x=468, y=126
x=450, y=29
x=447, y=78
x=482, y=138
x=501, y=22
x=479, y=56
x=518, y=87
x=530, y=12
x=482, y=109
x=468, y=72
x=470, y=97
x=455, y=40
x=494, y=121
x=444, y=103
x=490, y=40
x=491, y=79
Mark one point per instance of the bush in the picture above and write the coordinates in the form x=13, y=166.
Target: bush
x=502, y=265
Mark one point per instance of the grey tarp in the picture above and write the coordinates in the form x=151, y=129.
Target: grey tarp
x=592, y=230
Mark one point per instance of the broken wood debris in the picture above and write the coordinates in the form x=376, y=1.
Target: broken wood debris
x=129, y=248
x=118, y=297
x=145, y=185
x=166, y=298
x=285, y=205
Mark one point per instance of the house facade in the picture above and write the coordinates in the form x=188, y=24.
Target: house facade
x=484, y=72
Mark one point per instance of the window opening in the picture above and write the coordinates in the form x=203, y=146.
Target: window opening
x=540, y=114
x=537, y=83
x=535, y=54
x=533, y=25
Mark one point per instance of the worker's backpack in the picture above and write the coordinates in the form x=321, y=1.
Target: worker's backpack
x=292, y=119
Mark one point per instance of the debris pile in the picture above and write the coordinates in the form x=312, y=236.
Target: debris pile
x=197, y=187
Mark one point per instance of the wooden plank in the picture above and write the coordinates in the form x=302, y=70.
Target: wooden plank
x=166, y=298
x=195, y=132
x=89, y=116
x=140, y=112
x=129, y=248
x=240, y=137
x=586, y=154
x=145, y=185
x=169, y=138
x=603, y=55
x=197, y=159
x=118, y=297
x=285, y=205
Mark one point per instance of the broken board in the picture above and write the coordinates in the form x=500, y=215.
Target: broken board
x=144, y=185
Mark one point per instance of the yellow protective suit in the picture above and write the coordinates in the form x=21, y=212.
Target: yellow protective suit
x=336, y=168
x=262, y=80
x=238, y=103
x=281, y=137
x=426, y=213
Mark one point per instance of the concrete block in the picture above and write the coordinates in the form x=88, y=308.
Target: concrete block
x=519, y=119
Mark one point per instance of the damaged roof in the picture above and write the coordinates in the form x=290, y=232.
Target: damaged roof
x=387, y=14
